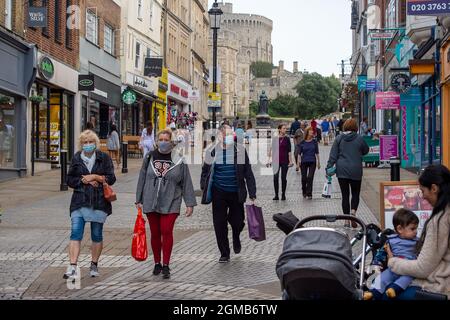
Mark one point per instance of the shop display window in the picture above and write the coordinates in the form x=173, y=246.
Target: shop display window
x=8, y=150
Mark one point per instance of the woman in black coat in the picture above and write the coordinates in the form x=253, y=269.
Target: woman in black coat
x=89, y=170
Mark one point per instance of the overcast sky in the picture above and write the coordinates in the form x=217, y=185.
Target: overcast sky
x=316, y=33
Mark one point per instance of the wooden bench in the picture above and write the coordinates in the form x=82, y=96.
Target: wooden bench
x=133, y=145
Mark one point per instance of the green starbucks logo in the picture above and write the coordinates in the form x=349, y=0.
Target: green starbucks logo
x=129, y=97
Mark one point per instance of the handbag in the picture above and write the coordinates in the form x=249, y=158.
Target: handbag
x=327, y=188
x=286, y=222
x=255, y=220
x=139, y=243
x=109, y=193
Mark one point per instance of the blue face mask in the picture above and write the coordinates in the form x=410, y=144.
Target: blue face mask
x=165, y=147
x=89, y=148
x=229, y=140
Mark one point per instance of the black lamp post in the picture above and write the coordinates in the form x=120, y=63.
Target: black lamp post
x=215, y=15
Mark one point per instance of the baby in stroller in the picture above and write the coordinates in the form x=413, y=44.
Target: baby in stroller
x=402, y=244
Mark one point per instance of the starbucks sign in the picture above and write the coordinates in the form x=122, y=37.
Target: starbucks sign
x=46, y=68
x=129, y=97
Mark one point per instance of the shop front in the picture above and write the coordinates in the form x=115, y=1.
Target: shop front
x=103, y=108
x=136, y=112
x=445, y=81
x=178, y=99
x=53, y=102
x=17, y=73
x=160, y=106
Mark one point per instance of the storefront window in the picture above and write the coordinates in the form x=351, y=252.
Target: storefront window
x=42, y=125
x=8, y=151
x=83, y=112
x=426, y=133
x=94, y=114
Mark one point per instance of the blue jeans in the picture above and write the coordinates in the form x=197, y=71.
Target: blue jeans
x=78, y=230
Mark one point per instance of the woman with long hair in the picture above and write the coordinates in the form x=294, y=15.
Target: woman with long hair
x=113, y=144
x=280, y=158
x=308, y=161
x=431, y=269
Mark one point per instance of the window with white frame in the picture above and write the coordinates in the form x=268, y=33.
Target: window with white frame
x=91, y=27
x=140, y=9
x=391, y=14
x=151, y=13
x=109, y=40
x=137, y=61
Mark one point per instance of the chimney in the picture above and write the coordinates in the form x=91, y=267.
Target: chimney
x=295, y=69
x=281, y=66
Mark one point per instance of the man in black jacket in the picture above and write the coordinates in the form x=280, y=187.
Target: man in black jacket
x=294, y=127
x=226, y=176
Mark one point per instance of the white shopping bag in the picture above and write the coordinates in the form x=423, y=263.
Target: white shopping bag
x=327, y=188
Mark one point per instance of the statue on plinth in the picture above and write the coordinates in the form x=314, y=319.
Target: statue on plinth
x=263, y=118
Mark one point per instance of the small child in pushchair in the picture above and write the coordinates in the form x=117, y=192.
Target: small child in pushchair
x=402, y=244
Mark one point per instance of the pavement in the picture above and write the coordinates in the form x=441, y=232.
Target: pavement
x=35, y=230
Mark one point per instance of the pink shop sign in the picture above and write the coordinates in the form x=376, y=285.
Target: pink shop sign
x=388, y=100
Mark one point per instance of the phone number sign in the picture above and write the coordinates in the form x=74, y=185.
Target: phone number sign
x=428, y=8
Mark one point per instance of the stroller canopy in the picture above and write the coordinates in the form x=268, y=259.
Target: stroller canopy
x=314, y=258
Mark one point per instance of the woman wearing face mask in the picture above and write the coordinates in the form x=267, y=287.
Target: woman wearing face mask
x=431, y=269
x=90, y=168
x=226, y=176
x=164, y=181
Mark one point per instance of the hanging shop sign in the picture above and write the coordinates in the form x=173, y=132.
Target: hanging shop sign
x=153, y=67
x=46, y=68
x=37, y=17
x=421, y=66
x=194, y=96
x=371, y=85
x=387, y=100
x=362, y=83
x=86, y=82
x=401, y=82
x=129, y=97
x=382, y=34
x=428, y=8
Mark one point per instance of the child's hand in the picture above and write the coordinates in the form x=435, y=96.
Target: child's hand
x=388, y=251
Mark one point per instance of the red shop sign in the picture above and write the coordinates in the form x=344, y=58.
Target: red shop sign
x=184, y=94
x=175, y=89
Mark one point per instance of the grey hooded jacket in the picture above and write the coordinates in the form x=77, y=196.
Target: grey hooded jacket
x=346, y=153
x=164, y=194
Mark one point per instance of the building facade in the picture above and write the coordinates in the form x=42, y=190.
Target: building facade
x=140, y=38
x=99, y=56
x=54, y=112
x=17, y=74
x=282, y=82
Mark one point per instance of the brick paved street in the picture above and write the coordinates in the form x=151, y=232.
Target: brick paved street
x=34, y=237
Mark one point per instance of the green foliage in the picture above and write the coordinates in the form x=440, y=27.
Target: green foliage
x=253, y=109
x=317, y=96
x=282, y=106
x=261, y=69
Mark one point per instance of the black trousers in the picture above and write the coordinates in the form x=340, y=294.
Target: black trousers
x=355, y=186
x=308, y=171
x=276, y=178
x=226, y=209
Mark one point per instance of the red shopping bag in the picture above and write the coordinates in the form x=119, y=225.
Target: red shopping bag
x=139, y=244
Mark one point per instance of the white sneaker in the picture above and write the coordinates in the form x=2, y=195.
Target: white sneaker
x=71, y=272
x=94, y=271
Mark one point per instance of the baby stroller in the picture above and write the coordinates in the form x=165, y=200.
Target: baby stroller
x=316, y=263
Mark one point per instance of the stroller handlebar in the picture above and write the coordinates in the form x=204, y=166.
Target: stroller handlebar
x=332, y=219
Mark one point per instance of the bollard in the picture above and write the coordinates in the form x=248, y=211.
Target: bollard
x=395, y=168
x=125, y=157
x=63, y=159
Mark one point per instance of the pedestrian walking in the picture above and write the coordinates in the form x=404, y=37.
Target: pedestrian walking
x=113, y=144
x=294, y=127
x=325, y=125
x=346, y=154
x=89, y=170
x=240, y=133
x=164, y=181
x=314, y=126
x=280, y=159
x=431, y=269
x=336, y=126
x=308, y=162
x=298, y=138
x=226, y=176
x=236, y=123
x=147, y=142
x=249, y=132
x=332, y=130
x=364, y=127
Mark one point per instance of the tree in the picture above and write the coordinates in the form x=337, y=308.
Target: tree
x=282, y=106
x=261, y=69
x=317, y=95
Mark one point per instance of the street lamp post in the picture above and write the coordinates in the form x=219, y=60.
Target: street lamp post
x=235, y=105
x=215, y=15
